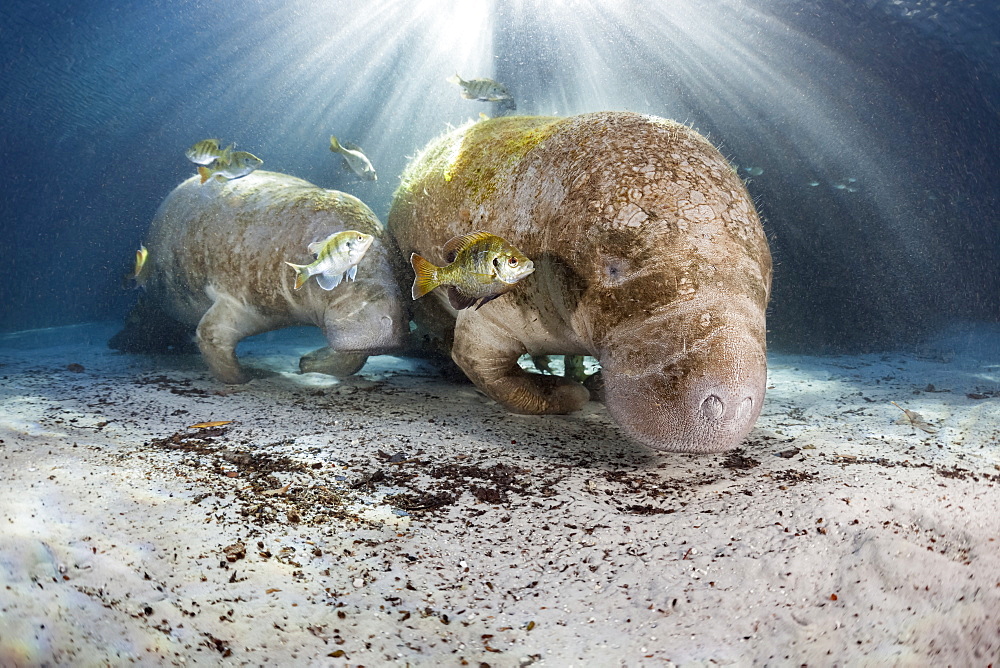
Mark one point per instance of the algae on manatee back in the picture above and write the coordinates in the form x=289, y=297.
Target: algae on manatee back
x=500, y=144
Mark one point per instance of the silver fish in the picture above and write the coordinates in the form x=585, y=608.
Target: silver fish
x=355, y=159
x=239, y=165
x=337, y=256
x=207, y=151
x=484, y=90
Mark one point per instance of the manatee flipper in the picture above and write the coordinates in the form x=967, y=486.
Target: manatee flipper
x=331, y=362
x=219, y=330
x=488, y=353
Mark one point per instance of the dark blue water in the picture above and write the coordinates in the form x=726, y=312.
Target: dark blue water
x=868, y=132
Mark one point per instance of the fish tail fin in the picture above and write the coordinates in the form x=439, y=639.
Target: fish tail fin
x=204, y=173
x=455, y=79
x=141, y=272
x=301, y=274
x=425, y=276
x=335, y=145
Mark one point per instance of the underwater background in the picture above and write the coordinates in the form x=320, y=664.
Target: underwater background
x=868, y=132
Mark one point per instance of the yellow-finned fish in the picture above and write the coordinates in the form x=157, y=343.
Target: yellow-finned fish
x=484, y=90
x=137, y=278
x=209, y=425
x=141, y=256
x=239, y=164
x=355, y=158
x=336, y=256
x=207, y=151
x=481, y=267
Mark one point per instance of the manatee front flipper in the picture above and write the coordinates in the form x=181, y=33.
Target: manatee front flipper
x=488, y=355
x=224, y=324
x=332, y=363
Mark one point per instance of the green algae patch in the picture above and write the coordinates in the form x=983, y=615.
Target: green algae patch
x=475, y=156
x=492, y=148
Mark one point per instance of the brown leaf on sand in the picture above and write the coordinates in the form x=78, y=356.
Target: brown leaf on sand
x=234, y=552
x=915, y=419
x=206, y=425
x=276, y=492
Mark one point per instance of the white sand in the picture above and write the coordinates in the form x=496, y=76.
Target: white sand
x=835, y=536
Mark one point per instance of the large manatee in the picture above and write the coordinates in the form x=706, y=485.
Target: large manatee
x=217, y=256
x=649, y=255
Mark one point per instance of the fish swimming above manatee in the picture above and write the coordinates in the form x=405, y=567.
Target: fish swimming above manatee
x=239, y=164
x=207, y=151
x=354, y=158
x=337, y=256
x=481, y=267
x=484, y=90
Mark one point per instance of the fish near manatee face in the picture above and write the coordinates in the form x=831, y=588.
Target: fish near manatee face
x=648, y=255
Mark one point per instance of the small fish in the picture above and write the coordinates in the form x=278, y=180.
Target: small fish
x=337, y=255
x=237, y=166
x=207, y=151
x=484, y=90
x=354, y=158
x=141, y=256
x=207, y=425
x=137, y=277
x=481, y=267
x=915, y=419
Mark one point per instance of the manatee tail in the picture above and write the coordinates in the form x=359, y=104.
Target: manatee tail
x=301, y=274
x=425, y=276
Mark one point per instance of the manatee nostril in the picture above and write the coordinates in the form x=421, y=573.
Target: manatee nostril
x=744, y=408
x=713, y=407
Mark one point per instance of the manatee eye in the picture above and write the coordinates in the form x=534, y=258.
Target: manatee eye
x=616, y=270
x=512, y=261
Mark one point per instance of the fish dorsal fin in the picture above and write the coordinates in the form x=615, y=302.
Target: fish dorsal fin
x=316, y=246
x=458, y=300
x=458, y=243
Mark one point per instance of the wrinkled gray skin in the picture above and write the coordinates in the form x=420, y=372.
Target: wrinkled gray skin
x=649, y=255
x=217, y=255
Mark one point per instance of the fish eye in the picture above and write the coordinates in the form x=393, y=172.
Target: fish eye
x=512, y=261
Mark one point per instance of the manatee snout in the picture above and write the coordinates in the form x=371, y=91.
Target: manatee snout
x=702, y=402
x=376, y=327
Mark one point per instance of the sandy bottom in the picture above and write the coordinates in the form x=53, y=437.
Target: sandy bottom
x=397, y=518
